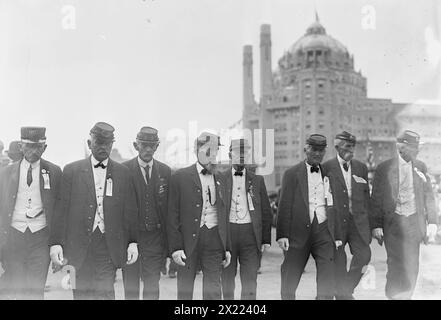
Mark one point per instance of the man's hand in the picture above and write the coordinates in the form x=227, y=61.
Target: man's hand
x=265, y=247
x=132, y=253
x=56, y=253
x=377, y=233
x=338, y=243
x=227, y=260
x=179, y=257
x=283, y=244
x=431, y=232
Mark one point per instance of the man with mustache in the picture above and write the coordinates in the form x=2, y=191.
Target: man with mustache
x=197, y=225
x=351, y=200
x=95, y=225
x=151, y=179
x=403, y=214
x=28, y=192
x=306, y=223
x=250, y=218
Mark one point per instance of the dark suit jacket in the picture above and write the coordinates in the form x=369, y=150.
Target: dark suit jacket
x=185, y=210
x=161, y=175
x=385, y=192
x=9, y=179
x=360, y=196
x=76, y=206
x=261, y=216
x=293, y=220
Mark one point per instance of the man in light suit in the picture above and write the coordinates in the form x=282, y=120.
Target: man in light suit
x=95, y=221
x=151, y=179
x=306, y=223
x=403, y=214
x=250, y=220
x=351, y=201
x=28, y=191
x=197, y=225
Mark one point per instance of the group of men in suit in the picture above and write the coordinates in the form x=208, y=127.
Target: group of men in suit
x=323, y=207
x=98, y=215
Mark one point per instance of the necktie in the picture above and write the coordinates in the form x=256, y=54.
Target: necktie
x=147, y=175
x=205, y=171
x=345, y=166
x=29, y=176
x=238, y=173
x=314, y=169
x=100, y=164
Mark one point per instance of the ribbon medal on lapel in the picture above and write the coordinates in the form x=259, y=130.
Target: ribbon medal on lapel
x=420, y=174
x=328, y=193
x=162, y=186
x=109, y=187
x=46, y=180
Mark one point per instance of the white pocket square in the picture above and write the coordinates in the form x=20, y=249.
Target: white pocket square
x=358, y=179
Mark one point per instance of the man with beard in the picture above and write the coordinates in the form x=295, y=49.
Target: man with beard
x=197, y=226
x=250, y=220
x=95, y=220
x=402, y=206
x=151, y=178
x=28, y=192
x=351, y=200
x=306, y=223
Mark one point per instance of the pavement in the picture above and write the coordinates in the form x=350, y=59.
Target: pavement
x=371, y=286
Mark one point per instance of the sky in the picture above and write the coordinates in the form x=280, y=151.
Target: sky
x=174, y=64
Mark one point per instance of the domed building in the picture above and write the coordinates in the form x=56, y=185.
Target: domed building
x=315, y=89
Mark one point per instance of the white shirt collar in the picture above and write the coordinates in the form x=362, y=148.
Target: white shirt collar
x=142, y=163
x=401, y=161
x=308, y=167
x=342, y=161
x=199, y=167
x=95, y=161
x=26, y=163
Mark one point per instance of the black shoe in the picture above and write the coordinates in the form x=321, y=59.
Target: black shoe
x=172, y=274
x=164, y=271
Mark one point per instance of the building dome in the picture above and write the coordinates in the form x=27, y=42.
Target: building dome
x=316, y=38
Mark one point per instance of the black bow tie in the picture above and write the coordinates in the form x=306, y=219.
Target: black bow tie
x=345, y=166
x=314, y=169
x=100, y=164
x=205, y=171
x=238, y=173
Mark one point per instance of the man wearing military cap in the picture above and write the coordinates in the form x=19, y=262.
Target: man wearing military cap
x=403, y=214
x=151, y=180
x=351, y=201
x=250, y=217
x=95, y=225
x=307, y=222
x=14, y=151
x=28, y=192
x=197, y=219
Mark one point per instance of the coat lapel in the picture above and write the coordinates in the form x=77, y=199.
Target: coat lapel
x=303, y=183
x=339, y=174
x=195, y=177
x=44, y=168
x=87, y=176
x=229, y=187
x=249, y=186
x=393, y=179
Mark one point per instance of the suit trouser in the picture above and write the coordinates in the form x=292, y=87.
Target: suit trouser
x=402, y=239
x=208, y=254
x=244, y=249
x=96, y=277
x=321, y=246
x=347, y=281
x=147, y=267
x=26, y=263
